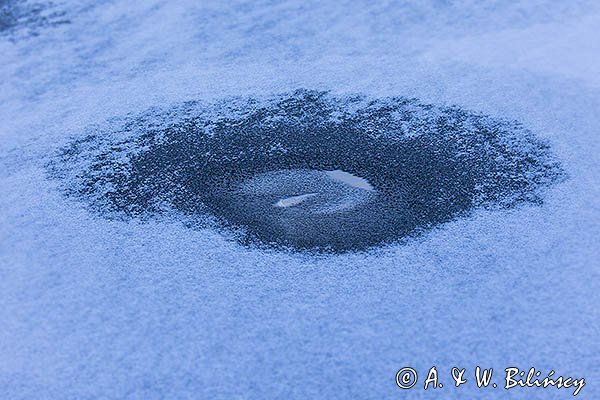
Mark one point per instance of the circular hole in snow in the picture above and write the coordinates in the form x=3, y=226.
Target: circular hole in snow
x=307, y=170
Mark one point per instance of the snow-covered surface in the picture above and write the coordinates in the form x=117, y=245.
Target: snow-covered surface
x=91, y=307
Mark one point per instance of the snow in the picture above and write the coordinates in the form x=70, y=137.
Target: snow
x=150, y=308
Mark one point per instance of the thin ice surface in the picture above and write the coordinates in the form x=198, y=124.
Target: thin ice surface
x=105, y=308
x=430, y=165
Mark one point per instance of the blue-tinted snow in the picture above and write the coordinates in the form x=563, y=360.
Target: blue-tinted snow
x=96, y=308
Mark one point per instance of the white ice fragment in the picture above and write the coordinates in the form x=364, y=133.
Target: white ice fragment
x=294, y=200
x=349, y=179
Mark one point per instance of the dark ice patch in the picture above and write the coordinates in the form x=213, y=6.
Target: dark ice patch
x=29, y=16
x=232, y=165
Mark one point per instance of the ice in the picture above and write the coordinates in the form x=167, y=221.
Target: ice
x=154, y=306
x=432, y=165
x=349, y=179
x=294, y=200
